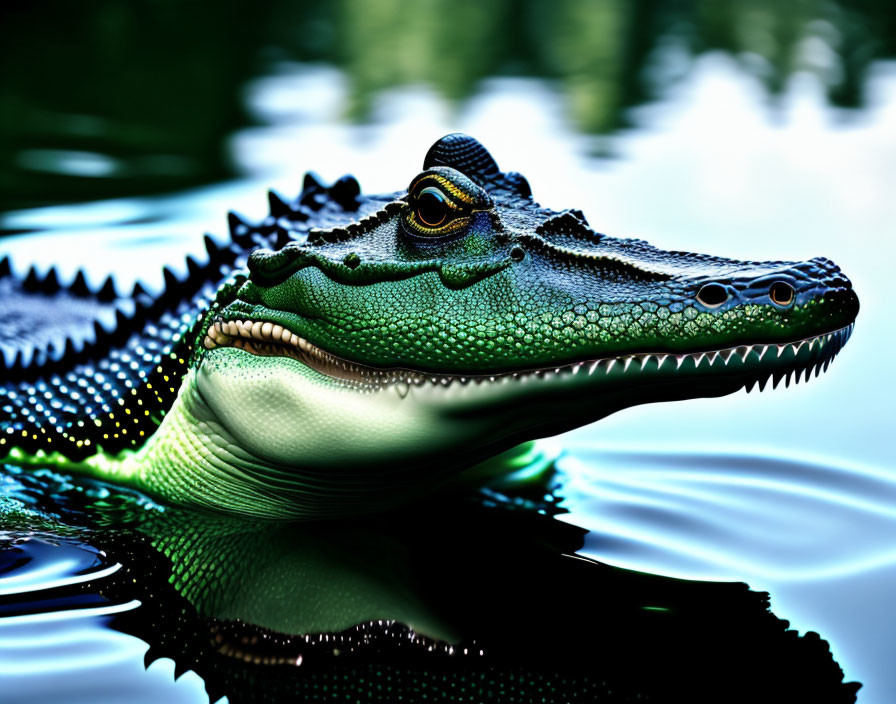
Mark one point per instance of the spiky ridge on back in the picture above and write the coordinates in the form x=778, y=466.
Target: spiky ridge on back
x=89, y=370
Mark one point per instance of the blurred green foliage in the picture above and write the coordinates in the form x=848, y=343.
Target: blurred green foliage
x=101, y=98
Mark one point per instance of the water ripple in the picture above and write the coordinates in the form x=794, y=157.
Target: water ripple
x=730, y=515
x=56, y=643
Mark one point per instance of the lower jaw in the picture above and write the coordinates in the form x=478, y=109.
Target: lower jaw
x=343, y=471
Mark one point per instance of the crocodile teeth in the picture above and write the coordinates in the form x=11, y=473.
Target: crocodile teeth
x=216, y=337
x=267, y=338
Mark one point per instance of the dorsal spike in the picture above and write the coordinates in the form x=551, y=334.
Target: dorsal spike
x=39, y=357
x=171, y=281
x=194, y=268
x=282, y=237
x=138, y=291
x=239, y=228
x=311, y=182
x=108, y=292
x=50, y=283
x=79, y=285
x=32, y=281
x=214, y=251
x=23, y=358
x=345, y=192
x=463, y=153
x=69, y=350
x=278, y=204
x=578, y=215
x=121, y=320
x=50, y=354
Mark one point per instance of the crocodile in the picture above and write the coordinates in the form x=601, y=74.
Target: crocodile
x=351, y=352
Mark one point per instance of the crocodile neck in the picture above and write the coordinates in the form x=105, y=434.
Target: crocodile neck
x=194, y=454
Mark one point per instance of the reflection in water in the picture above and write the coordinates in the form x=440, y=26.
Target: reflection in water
x=112, y=99
x=470, y=597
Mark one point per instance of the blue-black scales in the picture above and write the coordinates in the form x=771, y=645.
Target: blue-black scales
x=92, y=368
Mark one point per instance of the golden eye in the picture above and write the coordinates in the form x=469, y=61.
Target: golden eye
x=432, y=207
x=442, y=202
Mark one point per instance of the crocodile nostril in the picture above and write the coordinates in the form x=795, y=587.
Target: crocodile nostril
x=712, y=295
x=781, y=293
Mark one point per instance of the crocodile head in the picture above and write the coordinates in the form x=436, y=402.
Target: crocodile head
x=451, y=321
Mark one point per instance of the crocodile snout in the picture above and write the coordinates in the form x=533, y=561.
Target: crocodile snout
x=785, y=286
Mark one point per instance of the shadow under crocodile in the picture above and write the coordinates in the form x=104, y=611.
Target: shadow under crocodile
x=475, y=597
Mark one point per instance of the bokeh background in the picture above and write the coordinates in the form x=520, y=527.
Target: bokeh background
x=751, y=128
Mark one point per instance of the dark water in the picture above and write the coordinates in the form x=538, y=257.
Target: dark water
x=749, y=129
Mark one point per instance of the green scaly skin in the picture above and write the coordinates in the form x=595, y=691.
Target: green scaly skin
x=376, y=350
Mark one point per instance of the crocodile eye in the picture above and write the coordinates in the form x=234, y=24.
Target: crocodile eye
x=442, y=202
x=432, y=207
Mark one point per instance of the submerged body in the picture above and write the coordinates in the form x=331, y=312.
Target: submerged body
x=350, y=352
